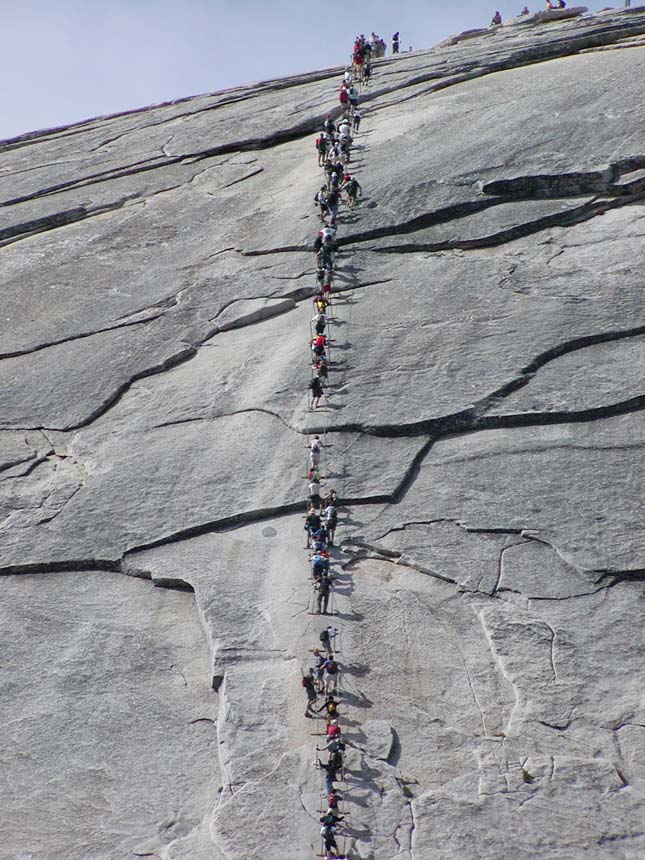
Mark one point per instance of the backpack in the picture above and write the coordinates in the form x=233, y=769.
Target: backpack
x=324, y=636
x=331, y=667
x=305, y=681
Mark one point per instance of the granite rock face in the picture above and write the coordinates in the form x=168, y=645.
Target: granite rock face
x=483, y=427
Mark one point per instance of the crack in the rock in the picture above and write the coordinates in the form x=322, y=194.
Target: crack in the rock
x=86, y=334
x=244, y=178
x=568, y=218
x=26, y=229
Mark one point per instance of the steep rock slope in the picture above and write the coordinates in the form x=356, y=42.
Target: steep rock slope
x=484, y=428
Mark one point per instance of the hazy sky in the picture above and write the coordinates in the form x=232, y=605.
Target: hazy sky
x=69, y=60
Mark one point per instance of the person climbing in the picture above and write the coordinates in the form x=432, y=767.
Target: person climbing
x=322, y=369
x=333, y=731
x=357, y=120
x=352, y=188
x=329, y=126
x=395, y=43
x=312, y=524
x=335, y=744
x=319, y=566
x=316, y=387
x=327, y=637
x=331, y=521
x=352, y=93
x=333, y=801
x=318, y=344
x=330, y=677
x=323, y=588
x=330, y=707
x=331, y=775
x=326, y=256
x=367, y=72
x=336, y=758
x=320, y=321
x=525, y=11
x=331, y=498
x=330, y=818
x=326, y=282
x=329, y=842
x=320, y=304
x=343, y=95
x=309, y=684
x=348, y=77
x=497, y=18
x=320, y=538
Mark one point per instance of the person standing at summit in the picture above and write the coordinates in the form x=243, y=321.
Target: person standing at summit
x=395, y=43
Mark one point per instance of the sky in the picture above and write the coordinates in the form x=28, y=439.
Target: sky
x=70, y=60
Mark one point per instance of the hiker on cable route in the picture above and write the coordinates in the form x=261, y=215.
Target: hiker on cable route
x=309, y=684
x=312, y=524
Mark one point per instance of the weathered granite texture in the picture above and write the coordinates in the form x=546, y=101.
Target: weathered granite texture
x=484, y=428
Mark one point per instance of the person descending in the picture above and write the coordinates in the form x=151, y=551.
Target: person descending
x=331, y=520
x=309, y=683
x=357, y=120
x=327, y=637
x=315, y=450
x=319, y=662
x=316, y=387
x=330, y=677
x=343, y=96
x=348, y=77
x=332, y=203
x=314, y=484
x=320, y=200
x=322, y=143
x=352, y=93
x=312, y=524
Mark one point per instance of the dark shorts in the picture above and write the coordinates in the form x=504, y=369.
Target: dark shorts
x=315, y=498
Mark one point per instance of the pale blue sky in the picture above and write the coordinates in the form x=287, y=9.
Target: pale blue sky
x=67, y=60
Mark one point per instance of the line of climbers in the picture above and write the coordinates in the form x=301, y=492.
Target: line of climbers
x=340, y=187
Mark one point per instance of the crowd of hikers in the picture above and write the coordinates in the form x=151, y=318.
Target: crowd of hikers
x=339, y=188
